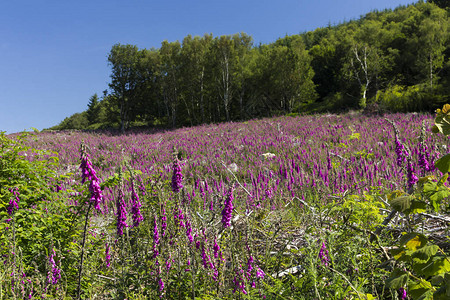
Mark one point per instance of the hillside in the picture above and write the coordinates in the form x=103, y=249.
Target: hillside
x=311, y=207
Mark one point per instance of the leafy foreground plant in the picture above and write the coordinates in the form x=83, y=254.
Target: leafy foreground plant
x=37, y=227
x=422, y=268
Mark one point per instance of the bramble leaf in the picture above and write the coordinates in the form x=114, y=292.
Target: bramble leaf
x=442, y=122
x=423, y=254
x=395, y=194
x=422, y=290
x=400, y=254
x=417, y=206
x=413, y=241
x=436, y=265
x=434, y=129
x=398, y=279
x=443, y=163
x=401, y=203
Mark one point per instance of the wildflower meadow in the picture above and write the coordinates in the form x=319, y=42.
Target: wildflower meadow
x=309, y=207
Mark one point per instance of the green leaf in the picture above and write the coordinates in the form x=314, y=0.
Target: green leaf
x=447, y=283
x=401, y=203
x=111, y=181
x=413, y=241
x=423, y=254
x=422, y=290
x=436, y=192
x=399, y=254
x=398, y=279
x=444, y=291
x=435, y=266
x=442, y=123
x=417, y=206
x=437, y=280
x=443, y=163
x=435, y=129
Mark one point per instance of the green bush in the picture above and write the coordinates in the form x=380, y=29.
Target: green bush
x=410, y=98
x=40, y=224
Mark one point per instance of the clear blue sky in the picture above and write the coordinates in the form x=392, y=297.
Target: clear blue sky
x=53, y=53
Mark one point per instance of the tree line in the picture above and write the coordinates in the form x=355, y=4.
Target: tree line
x=396, y=60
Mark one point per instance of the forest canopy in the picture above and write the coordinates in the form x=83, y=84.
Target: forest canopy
x=395, y=60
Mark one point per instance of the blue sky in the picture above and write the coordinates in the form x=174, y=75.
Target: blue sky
x=53, y=54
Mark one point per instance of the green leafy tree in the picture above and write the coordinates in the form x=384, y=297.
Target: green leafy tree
x=432, y=36
x=194, y=59
x=170, y=78
x=441, y=3
x=78, y=121
x=93, y=110
x=124, y=60
x=242, y=70
x=289, y=74
x=150, y=105
x=224, y=53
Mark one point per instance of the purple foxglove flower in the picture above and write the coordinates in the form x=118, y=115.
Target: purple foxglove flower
x=228, y=209
x=216, y=249
x=323, y=254
x=107, y=256
x=88, y=173
x=189, y=231
x=399, y=150
x=155, y=239
x=412, y=178
x=163, y=221
x=12, y=202
x=259, y=273
x=135, y=208
x=205, y=257
x=56, y=272
x=161, y=284
x=249, y=266
x=121, y=213
x=423, y=158
x=177, y=176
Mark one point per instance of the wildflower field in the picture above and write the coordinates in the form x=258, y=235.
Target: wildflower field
x=309, y=207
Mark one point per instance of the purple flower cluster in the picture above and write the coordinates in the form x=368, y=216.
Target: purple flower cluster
x=239, y=282
x=155, y=239
x=107, y=256
x=260, y=273
x=228, y=209
x=249, y=265
x=424, y=158
x=12, y=202
x=323, y=254
x=412, y=178
x=160, y=284
x=135, y=208
x=121, y=213
x=55, y=274
x=216, y=248
x=400, y=151
x=88, y=173
x=177, y=176
x=163, y=221
x=206, y=259
x=402, y=293
x=189, y=231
